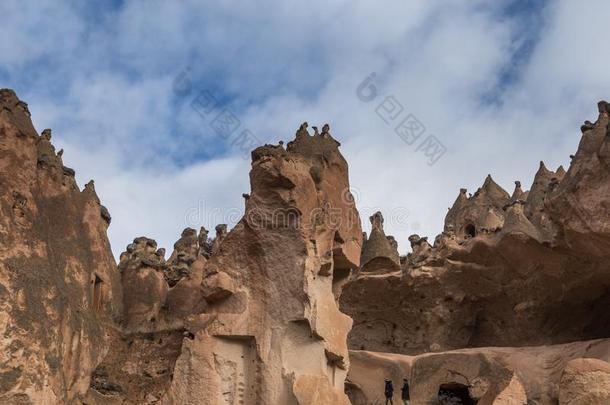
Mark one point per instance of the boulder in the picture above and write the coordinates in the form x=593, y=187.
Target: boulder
x=585, y=381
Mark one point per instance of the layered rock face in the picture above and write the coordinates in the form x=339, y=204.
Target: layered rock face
x=59, y=288
x=527, y=269
x=248, y=317
x=272, y=332
x=251, y=316
x=507, y=306
x=573, y=373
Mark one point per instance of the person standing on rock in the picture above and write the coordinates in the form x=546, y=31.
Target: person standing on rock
x=406, y=396
x=389, y=392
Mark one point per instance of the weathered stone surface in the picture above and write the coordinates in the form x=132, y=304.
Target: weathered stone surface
x=585, y=381
x=217, y=286
x=471, y=216
x=368, y=370
x=59, y=285
x=500, y=309
x=531, y=269
x=274, y=322
x=379, y=253
x=137, y=369
x=499, y=375
x=144, y=287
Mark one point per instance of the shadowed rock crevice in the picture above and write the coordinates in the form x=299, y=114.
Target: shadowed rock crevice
x=454, y=394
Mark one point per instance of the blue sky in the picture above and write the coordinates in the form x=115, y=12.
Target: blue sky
x=501, y=84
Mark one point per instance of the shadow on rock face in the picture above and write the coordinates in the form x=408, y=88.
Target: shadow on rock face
x=454, y=394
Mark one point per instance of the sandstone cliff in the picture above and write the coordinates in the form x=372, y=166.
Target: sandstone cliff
x=527, y=269
x=60, y=292
x=506, y=306
x=250, y=316
x=271, y=331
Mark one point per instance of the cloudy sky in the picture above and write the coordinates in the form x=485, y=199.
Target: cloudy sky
x=496, y=85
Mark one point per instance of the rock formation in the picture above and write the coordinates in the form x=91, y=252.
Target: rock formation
x=379, y=252
x=60, y=290
x=507, y=306
x=572, y=372
x=526, y=273
x=250, y=317
x=585, y=381
x=272, y=332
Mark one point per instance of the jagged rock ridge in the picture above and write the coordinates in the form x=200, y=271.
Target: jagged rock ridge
x=59, y=288
x=527, y=269
x=252, y=316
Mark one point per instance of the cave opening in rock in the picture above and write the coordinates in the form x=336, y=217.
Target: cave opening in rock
x=454, y=394
x=470, y=231
x=341, y=267
x=98, y=293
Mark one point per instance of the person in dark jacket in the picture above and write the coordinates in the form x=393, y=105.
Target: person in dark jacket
x=406, y=396
x=389, y=392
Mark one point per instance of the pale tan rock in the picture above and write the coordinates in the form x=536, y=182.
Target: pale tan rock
x=580, y=199
x=513, y=394
x=536, y=210
x=517, y=223
x=217, y=286
x=526, y=270
x=585, y=381
x=253, y=317
x=379, y=253
x=186, y=296
x=368, y=370
x=221, y=234
x=492, y=375
x=470, y=216
x=144, y=286
x=274, y=334
x=59, y=286
x=518, y=193
x=421, y=249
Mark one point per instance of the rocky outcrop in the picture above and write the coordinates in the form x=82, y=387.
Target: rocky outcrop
x=507, y=306
x=248, y=317
x=585, y=381
x=569, y=373
x=520, y=271
x=578, y=205
x=59, y=286
x=379, y=252
x=481, y=213
x=186, y=252
x=531, y=269
x=255, y=309
x=144, y=287
x=272, y=332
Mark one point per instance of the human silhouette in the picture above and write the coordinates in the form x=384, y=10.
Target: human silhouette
x=406, y=396
x=389, y=392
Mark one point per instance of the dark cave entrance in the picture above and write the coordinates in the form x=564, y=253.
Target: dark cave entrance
x=454, y=394
x=98, y=294
x=470, y=231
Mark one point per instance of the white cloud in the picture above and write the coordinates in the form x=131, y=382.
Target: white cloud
x=281, y=63
x=32, y=31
